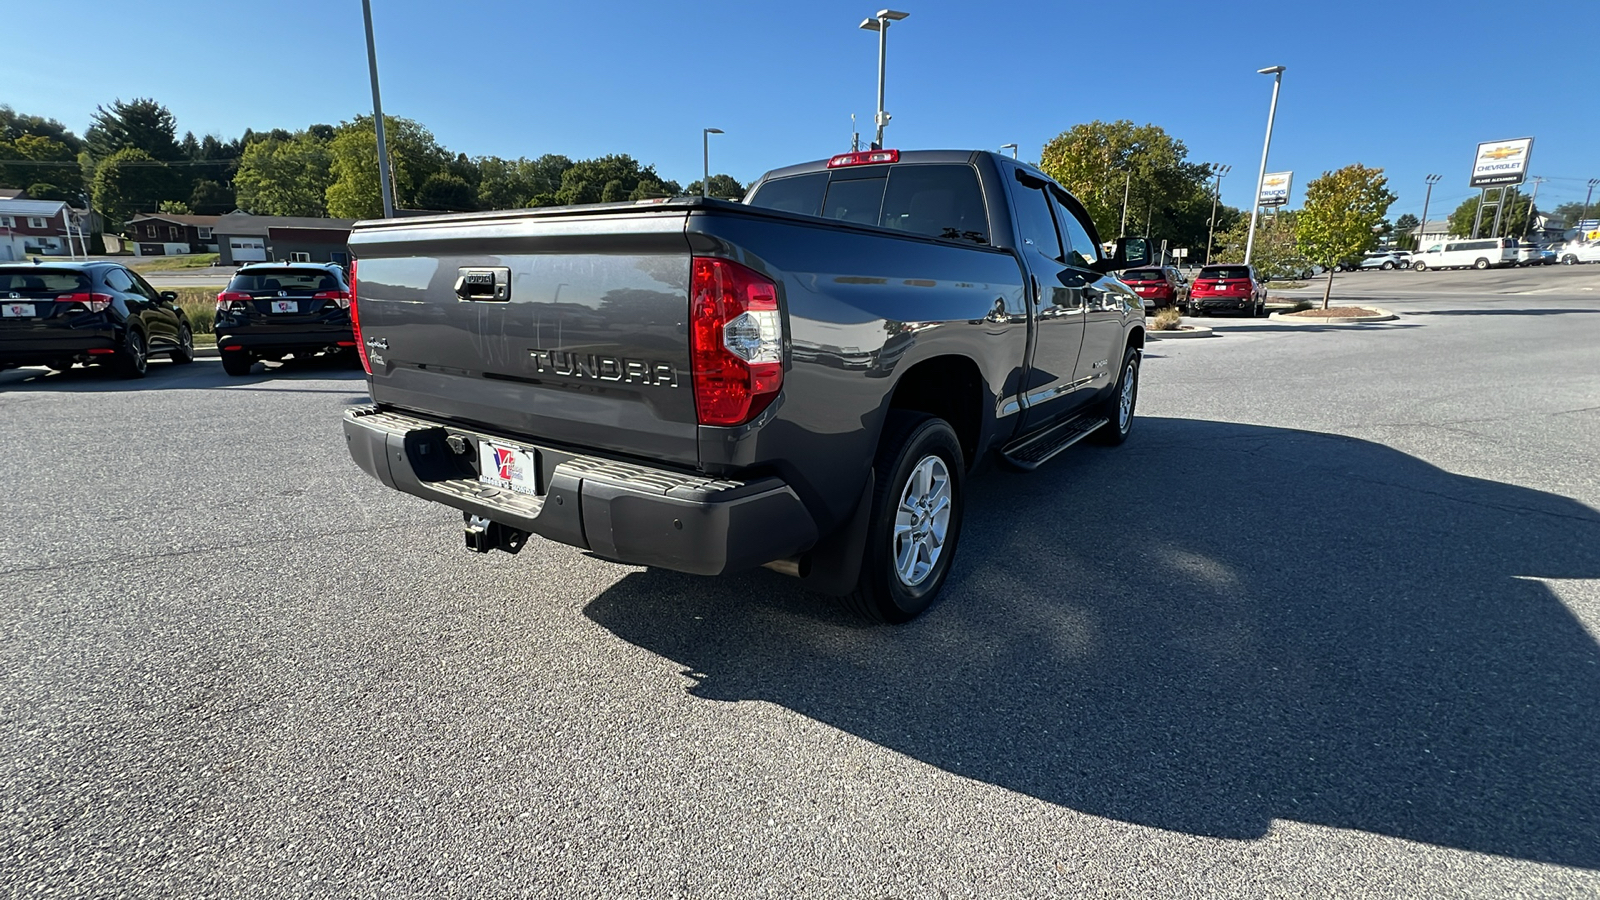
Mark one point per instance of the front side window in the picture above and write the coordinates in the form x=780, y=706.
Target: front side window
x=1035, y=227
x=1081, y=250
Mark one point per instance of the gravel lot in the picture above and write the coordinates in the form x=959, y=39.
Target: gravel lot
x=1325, y=627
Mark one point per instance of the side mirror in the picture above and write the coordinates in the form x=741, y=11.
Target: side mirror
x=1132, y=253
x=170, y=295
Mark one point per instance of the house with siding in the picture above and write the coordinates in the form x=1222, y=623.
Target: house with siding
x=164, y=234
x=37, y=228
x=243, y=238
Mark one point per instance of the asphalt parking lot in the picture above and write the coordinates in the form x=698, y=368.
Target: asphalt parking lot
x=1324, y=627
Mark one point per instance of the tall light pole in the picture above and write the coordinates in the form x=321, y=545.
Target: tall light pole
x=705, y=151
x=1011, y=147
x=1255, y=202
x=377, y=116
x=880, y=24
x=1219, y=171
x=1423, y=228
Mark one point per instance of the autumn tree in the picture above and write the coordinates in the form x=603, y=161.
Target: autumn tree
x=1276, y=254
x=1341, y=212
x=1099, y=162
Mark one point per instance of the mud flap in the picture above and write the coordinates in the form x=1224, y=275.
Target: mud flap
x=835, y=562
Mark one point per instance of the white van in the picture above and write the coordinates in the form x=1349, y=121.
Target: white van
x=1478, y=254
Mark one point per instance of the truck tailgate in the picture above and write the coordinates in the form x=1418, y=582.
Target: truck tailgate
x=568, y=328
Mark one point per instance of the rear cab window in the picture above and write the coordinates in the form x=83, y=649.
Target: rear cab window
x=294, y=281
x=1225, y=272
x=34, y=282
x=1143, y=275
x=933, y=200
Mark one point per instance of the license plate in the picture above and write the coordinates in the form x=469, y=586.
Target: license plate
x=17, y=310
x=508, y=468
x=285, y=306
x=1143, y=289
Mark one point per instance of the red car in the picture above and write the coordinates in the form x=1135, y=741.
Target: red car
x=1158, y=287
x=1228, y=289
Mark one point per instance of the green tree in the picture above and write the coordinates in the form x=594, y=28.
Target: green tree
x=517, y=183
x=285, y=177
x=142, y=124
x=446, y=191
x=30, y=159
x=1403, y=226
x=128, y=182
x=212, y=198
x=1166, y=195
x=610, y=179
x=413, y=156
x=1276, y=254
x=174, y=207
x=14, y=125
x=724, y=186
x=1341, y=212
x=1514, y=221
x=1570, y=214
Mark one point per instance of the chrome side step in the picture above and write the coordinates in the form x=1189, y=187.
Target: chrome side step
x=1034, y=450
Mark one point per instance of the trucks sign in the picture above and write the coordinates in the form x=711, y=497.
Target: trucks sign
x=1275, y=189
x=1501, y=162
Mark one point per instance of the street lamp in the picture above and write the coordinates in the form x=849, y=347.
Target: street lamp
x=880, y=24
x=377, y=116
x=705, y=152
x=1255, y=202
x=1423, y=228
x=1011, y=147
x=1219, y=171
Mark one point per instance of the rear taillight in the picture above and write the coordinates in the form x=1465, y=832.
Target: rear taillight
x=227, y=299
x=92, y=302
x=340, y=297
x=736, y=341
x=355, y=321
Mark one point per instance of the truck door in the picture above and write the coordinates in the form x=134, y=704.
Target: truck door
x=1100, y=358
x=1055, y=294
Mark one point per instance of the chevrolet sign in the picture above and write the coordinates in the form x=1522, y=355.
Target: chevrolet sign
x=1500, y=163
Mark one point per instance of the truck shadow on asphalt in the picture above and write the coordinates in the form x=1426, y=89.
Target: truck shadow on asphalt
x=1216, y=626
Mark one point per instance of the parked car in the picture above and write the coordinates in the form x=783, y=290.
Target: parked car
x=801, y=381
x=1385, y=260
x=1531, y=254
x=1228, y=288
x=1159, y=287
x=1477, y=254
x=1575, y=252
x=272, y=310
x=59, y=313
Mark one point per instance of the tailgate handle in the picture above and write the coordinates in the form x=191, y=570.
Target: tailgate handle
x=483, y=283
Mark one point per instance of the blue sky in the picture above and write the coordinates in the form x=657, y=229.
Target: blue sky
x=1409, y=88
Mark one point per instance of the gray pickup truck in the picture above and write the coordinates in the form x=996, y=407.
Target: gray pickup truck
x=803, y=380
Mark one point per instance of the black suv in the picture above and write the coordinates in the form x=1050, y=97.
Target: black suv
x=58, y=313
x=270, y=310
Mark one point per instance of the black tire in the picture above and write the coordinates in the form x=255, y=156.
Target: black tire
x=353, y=359
x=237, y=363
x=184, y=352
x=1481, y=263
x=1569, y=260
x=910, y=440
x=59, y=365
x=1118, y=426
x=1419, y=266
x=133, y=358
x=1387, y=266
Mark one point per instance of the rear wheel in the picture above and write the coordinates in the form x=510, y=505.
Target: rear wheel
x=1387, y=266
x=1569, y=260
x=236, y=362
x=916, y=518
x=59, y=365
x=1481, y=264
x=184, y=352
x=1419, y=266
x=133, y=360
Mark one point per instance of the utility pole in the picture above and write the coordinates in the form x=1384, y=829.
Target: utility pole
x=1532, y=206
x=1423, y=228
x=1584, y=216
x=1218, y=170
x=377, y=115
x=1125, y=185
x=1255, y=202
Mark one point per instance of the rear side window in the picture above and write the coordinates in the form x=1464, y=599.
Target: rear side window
x=1225, y=272
x=42, y=281
x=297, y=281
x=118, y=280
x=796, y=194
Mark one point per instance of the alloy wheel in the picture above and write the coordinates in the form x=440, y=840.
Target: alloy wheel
x=921, y=521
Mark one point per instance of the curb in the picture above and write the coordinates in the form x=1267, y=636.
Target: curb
x=206, y=351
x=1189, y=331
x=1379, y=315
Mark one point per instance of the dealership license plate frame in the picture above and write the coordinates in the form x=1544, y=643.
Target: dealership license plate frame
x=524, y=467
